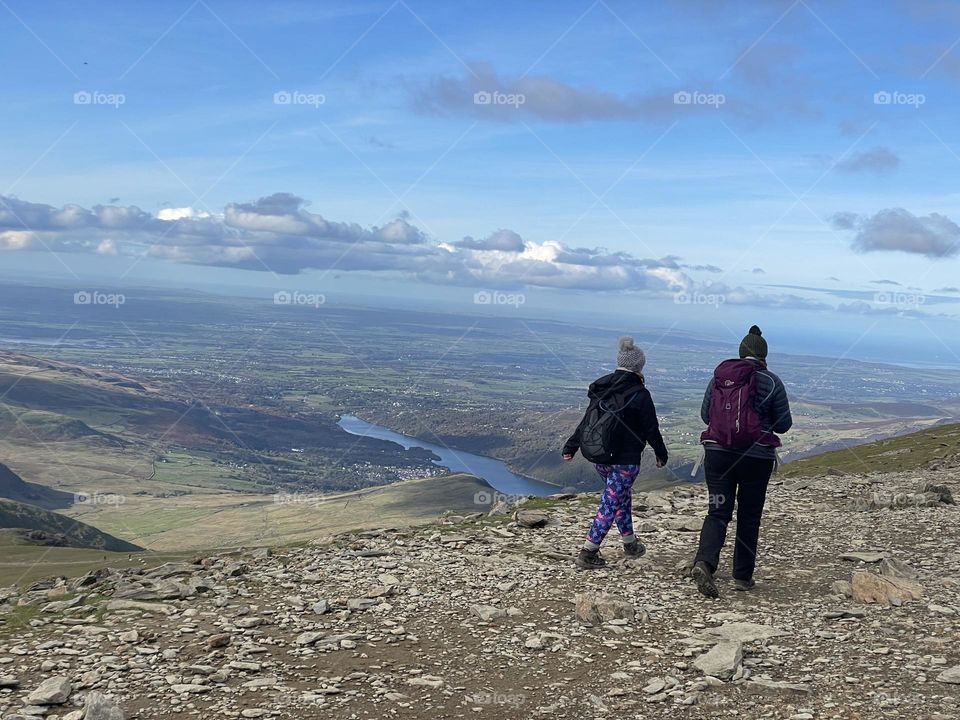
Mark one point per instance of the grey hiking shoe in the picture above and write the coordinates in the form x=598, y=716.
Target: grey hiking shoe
x=744, y=585
x=634, y=549
x=590, y=560
x=703, y=577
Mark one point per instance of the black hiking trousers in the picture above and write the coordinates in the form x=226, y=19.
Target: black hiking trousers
x=734, y=478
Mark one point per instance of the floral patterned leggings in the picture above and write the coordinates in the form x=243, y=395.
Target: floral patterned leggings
x=615, y=503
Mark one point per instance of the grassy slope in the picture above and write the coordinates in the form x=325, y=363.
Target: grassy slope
x=906, y=452
x=22, y=562
x=414, y=502
x=77, y=534
x=226, y=519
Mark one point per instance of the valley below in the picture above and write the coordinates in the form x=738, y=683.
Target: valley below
x=184, y=421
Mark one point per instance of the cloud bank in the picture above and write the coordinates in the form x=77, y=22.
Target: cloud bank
x=278, y=234
x=896, y=229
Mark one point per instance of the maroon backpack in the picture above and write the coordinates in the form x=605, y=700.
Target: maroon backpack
x=734, y=421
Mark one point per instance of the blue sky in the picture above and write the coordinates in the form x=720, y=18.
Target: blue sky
x=786, y=184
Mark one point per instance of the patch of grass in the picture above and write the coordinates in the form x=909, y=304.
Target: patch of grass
x=23, y=564
x=903, y=453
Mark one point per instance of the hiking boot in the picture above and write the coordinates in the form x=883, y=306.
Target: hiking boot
x=744, y=585
x=634, y=550
x=590, y=560
x=703, y=576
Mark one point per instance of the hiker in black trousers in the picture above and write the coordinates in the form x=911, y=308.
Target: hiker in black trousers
x=744, y=406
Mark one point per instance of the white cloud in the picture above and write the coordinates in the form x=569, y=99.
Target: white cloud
x=181, y=213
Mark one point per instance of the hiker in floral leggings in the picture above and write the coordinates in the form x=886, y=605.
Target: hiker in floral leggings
x=624, y=396
x=615, y=504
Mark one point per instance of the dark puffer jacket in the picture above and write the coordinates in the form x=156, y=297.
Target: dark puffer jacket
x=639, y=424
x=771, y=404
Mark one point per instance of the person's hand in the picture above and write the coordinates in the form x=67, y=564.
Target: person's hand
x=567, y=457
x=661, y=463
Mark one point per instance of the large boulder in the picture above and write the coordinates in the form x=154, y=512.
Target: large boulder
x=722, y=661
x=871, y=588
x=52, y=691
x=598, y=608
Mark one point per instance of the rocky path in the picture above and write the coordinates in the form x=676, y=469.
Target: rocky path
x=855, y=615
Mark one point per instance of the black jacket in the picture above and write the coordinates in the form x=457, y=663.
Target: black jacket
x=639, y=424
x=772, y=405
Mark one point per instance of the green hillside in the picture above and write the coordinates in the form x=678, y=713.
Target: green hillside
x=13, y=487
x=905, y=452
x=59, y=529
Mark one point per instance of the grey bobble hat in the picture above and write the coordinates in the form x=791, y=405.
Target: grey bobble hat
x=630, y=357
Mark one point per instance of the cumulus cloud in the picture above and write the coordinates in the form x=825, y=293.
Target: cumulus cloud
x=277, y=233
x=878, y=160
x=896, y=229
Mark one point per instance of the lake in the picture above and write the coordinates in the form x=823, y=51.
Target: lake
x=495, y=472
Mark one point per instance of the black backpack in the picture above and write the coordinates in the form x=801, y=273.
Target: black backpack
x=600, y=422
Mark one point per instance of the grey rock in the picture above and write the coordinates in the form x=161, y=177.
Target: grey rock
x=950, y=676
x=682, y=523
x=149, y=607
x=308, y=638
x=867, y=556
x=487, y=612
x=941, y=491
x=52, y=691
x=742, y=632
x=722, y=661
x=842, y=587
x=774, y=687
x=101, y=707
x=357, y=604
x=531, y=518
x=891, y=567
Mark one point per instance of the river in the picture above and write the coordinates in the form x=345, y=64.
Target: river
x=495, y=472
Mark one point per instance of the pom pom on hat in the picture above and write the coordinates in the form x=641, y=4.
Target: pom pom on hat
x=630, y=357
